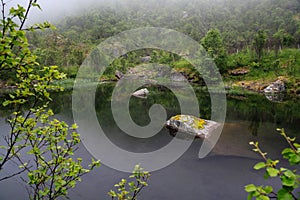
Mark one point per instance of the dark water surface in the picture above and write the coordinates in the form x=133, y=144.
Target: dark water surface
x=221, y=175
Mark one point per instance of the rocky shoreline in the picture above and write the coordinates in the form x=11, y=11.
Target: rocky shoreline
x=280, y=85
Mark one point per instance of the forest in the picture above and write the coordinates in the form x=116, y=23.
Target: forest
x=261, y=35
x=253, y=43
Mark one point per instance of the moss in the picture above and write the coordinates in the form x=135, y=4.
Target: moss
x=195, y=122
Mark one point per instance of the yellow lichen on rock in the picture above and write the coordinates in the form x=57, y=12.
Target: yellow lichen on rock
x=192, y=121
x=191, y=125
x=176, y=117
x=200, y=123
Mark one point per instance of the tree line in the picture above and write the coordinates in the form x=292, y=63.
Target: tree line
x=237, y=25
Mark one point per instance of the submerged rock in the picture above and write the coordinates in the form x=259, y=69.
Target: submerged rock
x=275, y=97
x=191, y=125
x=142, y=93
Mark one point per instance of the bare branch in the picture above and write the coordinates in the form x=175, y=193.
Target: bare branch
x=12, y=175
x=3, y=18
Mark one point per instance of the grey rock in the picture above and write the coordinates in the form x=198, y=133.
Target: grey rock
x=275, y=97
x=276, y=87
x=275, y=91
x=191, y=125
x=119, y=74
x=146, y=59
x=142, y=93
x=176, y=76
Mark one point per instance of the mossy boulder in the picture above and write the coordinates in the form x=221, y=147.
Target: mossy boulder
x=191, y=125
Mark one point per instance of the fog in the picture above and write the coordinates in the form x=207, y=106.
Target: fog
x=53, y=10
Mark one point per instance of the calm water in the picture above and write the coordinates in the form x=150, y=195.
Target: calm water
x=221, y=175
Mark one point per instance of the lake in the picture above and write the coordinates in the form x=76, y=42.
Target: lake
x=220, y=175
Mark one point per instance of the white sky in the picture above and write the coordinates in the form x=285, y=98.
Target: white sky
x=54, y=9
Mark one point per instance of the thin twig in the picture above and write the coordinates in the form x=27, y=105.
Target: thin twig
x=3, y=18
x=12, y=175
x=26, y=15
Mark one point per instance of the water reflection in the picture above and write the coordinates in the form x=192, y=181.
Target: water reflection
x=228, y=167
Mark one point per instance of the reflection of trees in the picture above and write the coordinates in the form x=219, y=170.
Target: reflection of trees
x=256, y=109
x=60, y=104
x=252, y=108
x=254, y=122
x=139, y=108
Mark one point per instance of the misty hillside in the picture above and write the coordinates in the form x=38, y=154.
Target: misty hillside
x=237, y=20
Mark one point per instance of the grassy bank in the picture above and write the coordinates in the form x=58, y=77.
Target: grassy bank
x=244, y=74
x=283, y=65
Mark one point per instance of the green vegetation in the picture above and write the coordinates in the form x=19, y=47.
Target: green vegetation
x=284, y=65
x=260, y=39
x=49, y=143
x=51, y=165
x=213, y=44
x=260, y=36
x=290, y=178
x=135, y=187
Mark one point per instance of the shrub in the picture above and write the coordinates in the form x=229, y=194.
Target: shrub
x=290, y=179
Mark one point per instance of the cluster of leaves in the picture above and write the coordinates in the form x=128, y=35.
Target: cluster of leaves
x=213, y=44
x=290, y=179
x=259, y=43
x=51, y=166
x=135, y=187
x=40, y=145
x=51, y=144
x=15, y=53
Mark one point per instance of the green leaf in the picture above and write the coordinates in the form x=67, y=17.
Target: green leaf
x=259, y=165
x=5, y=103
x=296, y=145
x=287, y=151
x=294, y=159
x=289, y=182
x=112, y=193
x=289, y=174
x=272, y=172
x=250, y=196
x=36, y=5
x=268, y=189
x=131, y=184
x=74, y=126
x=250, y=188
x=283, y=194
x=261, y=197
